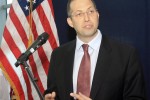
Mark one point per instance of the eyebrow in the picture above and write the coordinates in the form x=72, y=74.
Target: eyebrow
x=81, y=10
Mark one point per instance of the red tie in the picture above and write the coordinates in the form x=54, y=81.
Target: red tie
x=83, y=82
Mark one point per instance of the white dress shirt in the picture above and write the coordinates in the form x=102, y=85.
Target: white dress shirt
x=94, y=46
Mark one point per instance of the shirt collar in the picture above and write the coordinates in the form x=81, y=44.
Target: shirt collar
x=94, y=43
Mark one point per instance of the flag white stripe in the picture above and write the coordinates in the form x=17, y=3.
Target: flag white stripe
x=48, y=50
x=36, y=20
x=33, y=90
x=40, y=69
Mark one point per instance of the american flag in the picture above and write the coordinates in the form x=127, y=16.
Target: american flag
x=28, y=19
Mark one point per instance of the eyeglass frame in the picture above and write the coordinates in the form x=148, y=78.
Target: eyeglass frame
x=90, y=11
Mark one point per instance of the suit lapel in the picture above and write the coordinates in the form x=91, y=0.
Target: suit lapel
x=102, y=67
x=68, y=69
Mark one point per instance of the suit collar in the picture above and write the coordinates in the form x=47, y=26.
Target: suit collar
x=102, y=66
x=68, y=68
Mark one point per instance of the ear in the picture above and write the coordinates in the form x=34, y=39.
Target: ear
x=69, y=21
x=98, y=14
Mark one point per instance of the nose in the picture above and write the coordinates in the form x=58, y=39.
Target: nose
x=86, y=16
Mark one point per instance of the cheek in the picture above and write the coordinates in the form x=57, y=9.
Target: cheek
x=77, y=27
x=96, y=21
x=77, y=24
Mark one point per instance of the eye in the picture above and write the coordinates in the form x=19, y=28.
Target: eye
x=79, y=14
x=91, y=11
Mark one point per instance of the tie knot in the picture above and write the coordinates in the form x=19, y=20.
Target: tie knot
x=85, y=47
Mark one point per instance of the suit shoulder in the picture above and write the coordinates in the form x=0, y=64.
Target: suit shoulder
x=117, y=48
x=65, y=47
x=119, y=44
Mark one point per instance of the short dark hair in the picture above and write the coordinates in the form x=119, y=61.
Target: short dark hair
x=68, y=6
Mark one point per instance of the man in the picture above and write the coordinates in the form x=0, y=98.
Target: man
x=115, y=71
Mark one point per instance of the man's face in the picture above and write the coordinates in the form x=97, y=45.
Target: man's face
x=84, y=18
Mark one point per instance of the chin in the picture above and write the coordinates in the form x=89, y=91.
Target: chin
x=90, y=32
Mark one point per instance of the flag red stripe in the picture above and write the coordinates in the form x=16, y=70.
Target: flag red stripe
x=46, y=26
x=34, y=70
x=51, y=7
x=43, y=60
x=29, y=90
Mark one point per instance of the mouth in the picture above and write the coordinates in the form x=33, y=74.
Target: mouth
x=88, y=26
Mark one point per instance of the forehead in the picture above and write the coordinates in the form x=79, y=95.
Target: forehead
x=81, y=4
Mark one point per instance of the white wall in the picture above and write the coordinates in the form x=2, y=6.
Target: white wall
x=2, y=17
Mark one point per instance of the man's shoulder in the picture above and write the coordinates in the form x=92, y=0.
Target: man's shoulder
x=114, y=43
x=66, y=46
x=118, y=47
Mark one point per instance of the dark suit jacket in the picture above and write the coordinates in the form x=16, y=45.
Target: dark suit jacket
x=118, y=74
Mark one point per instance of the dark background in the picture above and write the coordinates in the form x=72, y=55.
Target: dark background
x=127, y=21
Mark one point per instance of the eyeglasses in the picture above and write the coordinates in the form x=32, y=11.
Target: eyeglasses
x=80, y=14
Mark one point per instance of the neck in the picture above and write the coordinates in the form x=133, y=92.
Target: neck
x=87, y=39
